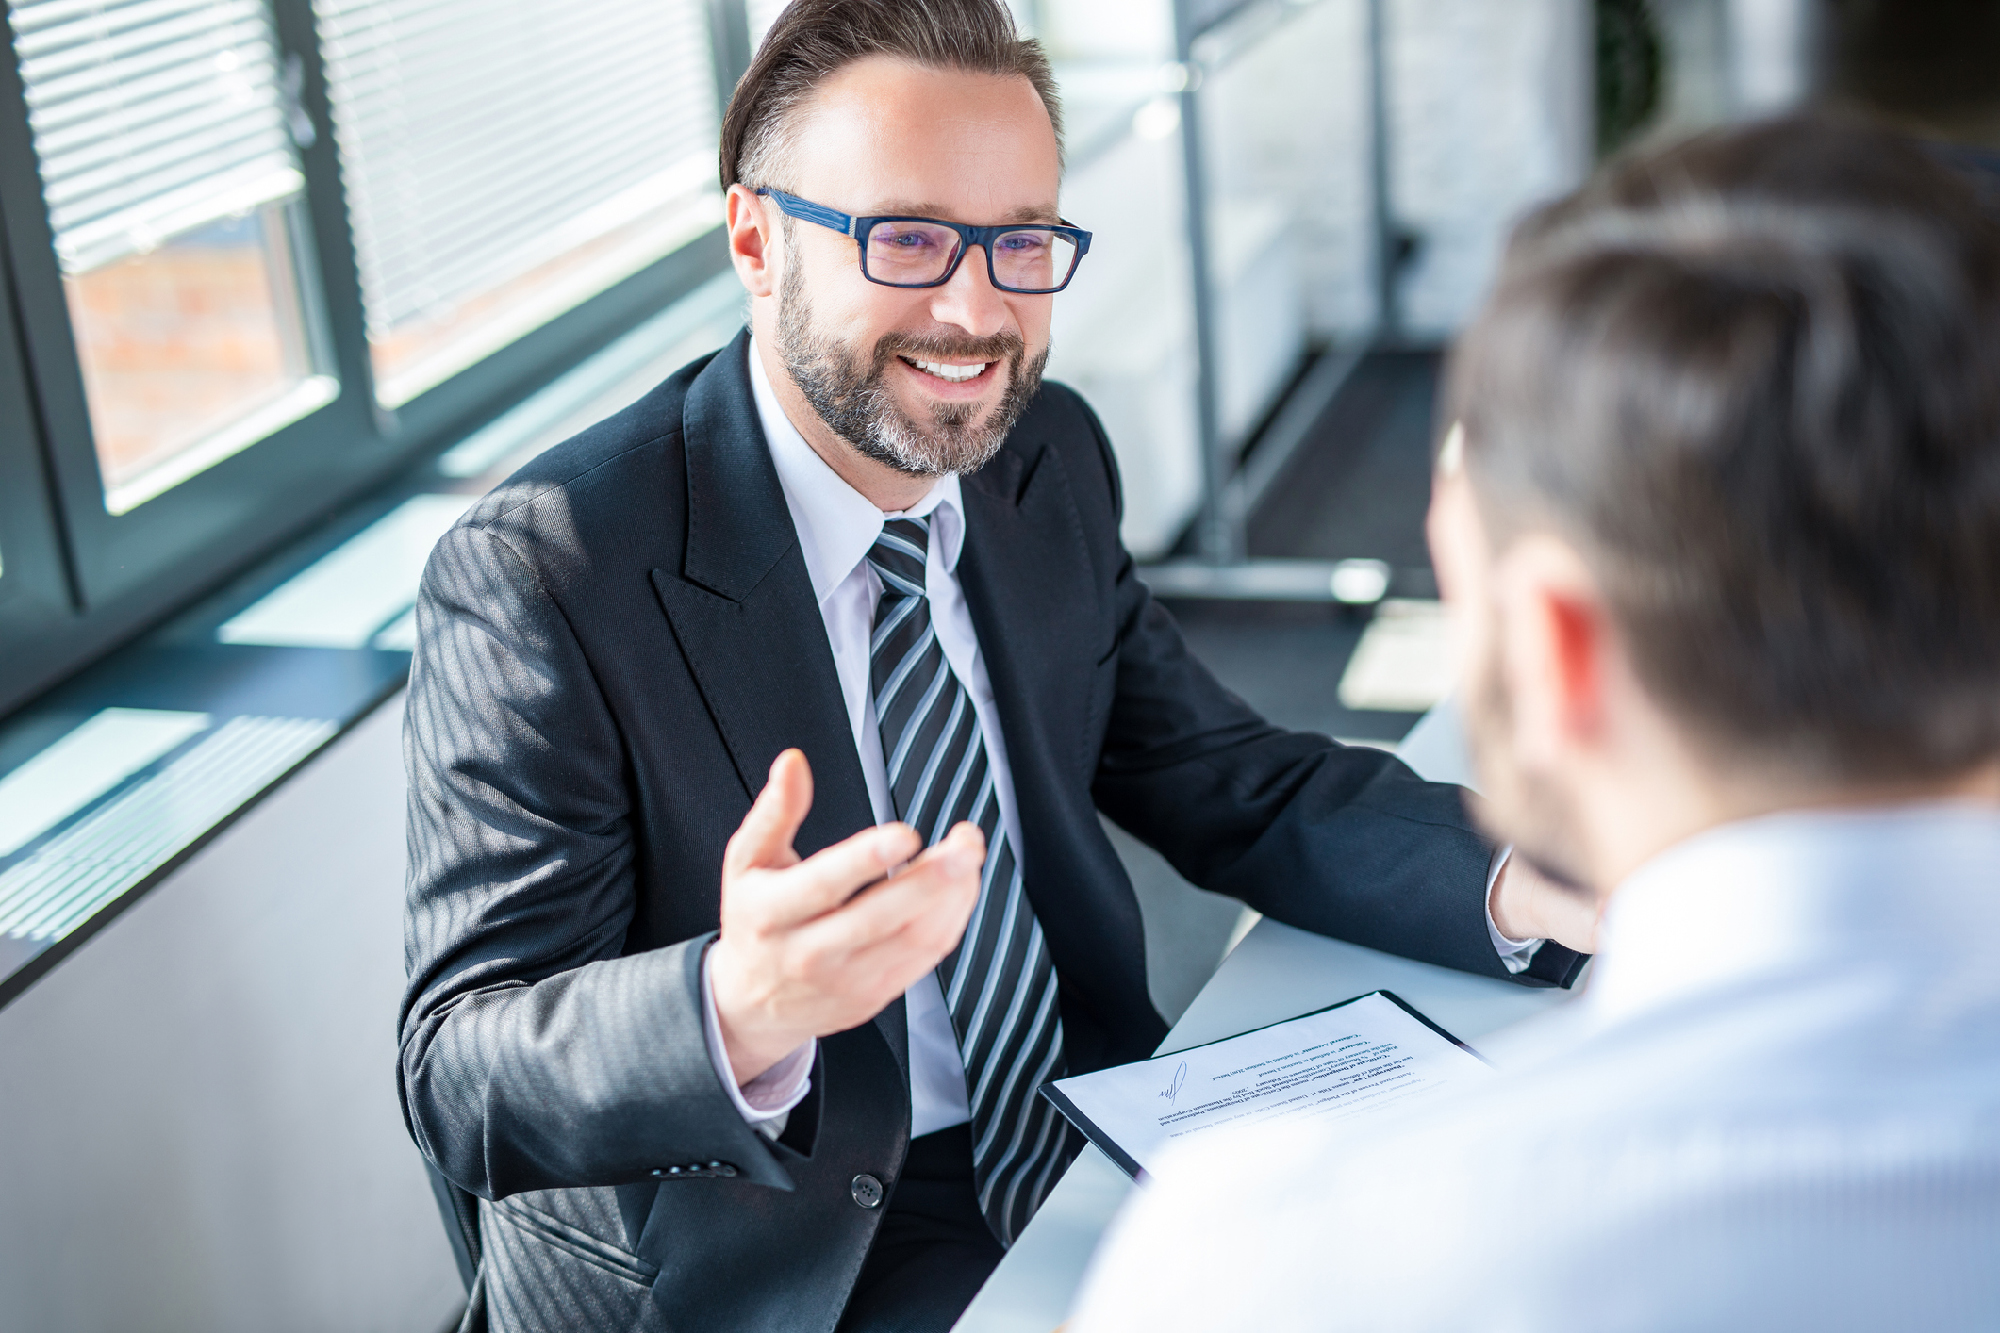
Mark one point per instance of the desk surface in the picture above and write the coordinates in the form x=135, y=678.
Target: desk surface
x=1275, y=973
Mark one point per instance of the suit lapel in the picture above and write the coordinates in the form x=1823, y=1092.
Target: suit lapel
x=743, y=610
x=1026, y=574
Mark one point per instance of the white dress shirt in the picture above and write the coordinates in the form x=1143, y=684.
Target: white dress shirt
x=836, y=527
x=1777, y=1107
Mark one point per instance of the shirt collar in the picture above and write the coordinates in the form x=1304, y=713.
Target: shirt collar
x=1803, y=893
x=837, y=525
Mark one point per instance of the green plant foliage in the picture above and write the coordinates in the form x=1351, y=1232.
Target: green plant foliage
x=1629, y=74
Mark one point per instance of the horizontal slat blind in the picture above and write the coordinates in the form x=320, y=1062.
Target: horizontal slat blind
x=151, y=117
x=482, y=138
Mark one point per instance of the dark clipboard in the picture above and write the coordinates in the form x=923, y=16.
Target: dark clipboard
x=1109, y=1146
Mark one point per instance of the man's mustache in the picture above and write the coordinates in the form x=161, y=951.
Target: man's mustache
x=939, y=346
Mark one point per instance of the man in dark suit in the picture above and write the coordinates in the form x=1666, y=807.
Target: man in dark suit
x=757, y=737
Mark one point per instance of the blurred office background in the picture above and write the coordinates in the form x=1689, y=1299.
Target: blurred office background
x=288, y=283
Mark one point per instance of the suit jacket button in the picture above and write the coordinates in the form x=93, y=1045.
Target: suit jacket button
x=867, y=1191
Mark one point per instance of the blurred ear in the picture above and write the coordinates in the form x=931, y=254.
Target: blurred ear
x=1457, y=540
x=753, y=242
x=1461, y=556
x=1558, y=645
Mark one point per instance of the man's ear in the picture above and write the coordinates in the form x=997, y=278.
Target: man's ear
x=1457, y=538
x=1557, y=643
x=753, y=243
x=1461, y=556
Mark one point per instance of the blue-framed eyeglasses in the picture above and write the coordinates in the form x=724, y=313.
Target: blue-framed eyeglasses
x=925, y=252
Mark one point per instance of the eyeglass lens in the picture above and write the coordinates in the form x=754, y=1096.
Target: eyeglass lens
x=912, y=254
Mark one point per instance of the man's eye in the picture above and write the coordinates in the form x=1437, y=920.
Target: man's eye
x=904, y=240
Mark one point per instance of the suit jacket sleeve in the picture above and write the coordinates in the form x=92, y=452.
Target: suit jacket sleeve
x=1342, y=840
x=534, y=1056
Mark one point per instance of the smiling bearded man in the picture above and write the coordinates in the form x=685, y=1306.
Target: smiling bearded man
x=846, y=388
x=846, y=595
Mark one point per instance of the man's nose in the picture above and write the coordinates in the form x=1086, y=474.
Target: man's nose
x=970, y=300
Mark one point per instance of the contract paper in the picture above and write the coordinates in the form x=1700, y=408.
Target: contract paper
x=1360, y=1057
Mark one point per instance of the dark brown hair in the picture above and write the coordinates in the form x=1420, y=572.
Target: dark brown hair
x=1756, y=378
x=814, y=38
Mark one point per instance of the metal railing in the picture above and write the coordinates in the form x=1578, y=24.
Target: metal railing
x=1209, y=34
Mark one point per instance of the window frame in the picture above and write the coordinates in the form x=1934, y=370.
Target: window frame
x=79, y=580
x=34, y=585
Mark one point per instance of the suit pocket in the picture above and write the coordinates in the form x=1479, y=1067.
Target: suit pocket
x=574, y=1240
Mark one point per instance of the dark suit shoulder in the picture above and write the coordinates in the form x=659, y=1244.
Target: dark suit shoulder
x=1058, y=416
x=605, y=505
x=1062, y=420
x=598, y=463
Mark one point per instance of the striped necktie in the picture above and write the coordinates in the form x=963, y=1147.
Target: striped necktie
x=998, y=984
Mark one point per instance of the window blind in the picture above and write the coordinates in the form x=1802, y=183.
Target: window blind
x=480, y=139
x=151, y=118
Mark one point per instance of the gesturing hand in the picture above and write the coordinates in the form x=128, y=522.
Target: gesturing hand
x=802, y=954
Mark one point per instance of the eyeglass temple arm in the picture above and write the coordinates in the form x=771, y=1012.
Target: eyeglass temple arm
x=807, y=211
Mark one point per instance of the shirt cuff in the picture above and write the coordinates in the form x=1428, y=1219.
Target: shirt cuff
x=1515, y=955
x=766, y=1101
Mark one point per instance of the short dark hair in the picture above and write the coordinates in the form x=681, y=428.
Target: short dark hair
x=812, y=39
x=1755, y=377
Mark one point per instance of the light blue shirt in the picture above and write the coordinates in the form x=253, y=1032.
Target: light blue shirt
x=1776, y=1107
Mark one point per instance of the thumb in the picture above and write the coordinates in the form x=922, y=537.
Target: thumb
x=764, y=840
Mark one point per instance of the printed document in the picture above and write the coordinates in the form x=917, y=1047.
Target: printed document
x=1360, y=1057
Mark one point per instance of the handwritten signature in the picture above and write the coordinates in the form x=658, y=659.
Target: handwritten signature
x=1173, y=1089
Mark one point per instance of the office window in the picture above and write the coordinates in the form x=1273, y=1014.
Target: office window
x=173, y=194
x=506, y=160
x=238, y=229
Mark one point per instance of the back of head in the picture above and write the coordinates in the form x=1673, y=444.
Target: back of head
x=812, y=39
x=1755, y=378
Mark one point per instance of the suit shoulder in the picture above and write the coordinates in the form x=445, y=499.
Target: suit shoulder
x=1063, y=420
x=1061, y=413
x=597, y=465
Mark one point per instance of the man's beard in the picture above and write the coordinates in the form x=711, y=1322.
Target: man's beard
x=1521, y=805
x=851, y=396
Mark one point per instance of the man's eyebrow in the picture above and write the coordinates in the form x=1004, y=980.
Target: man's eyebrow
x=900, y=209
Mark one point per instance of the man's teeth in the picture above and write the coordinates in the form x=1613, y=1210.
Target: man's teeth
x=955, y=374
